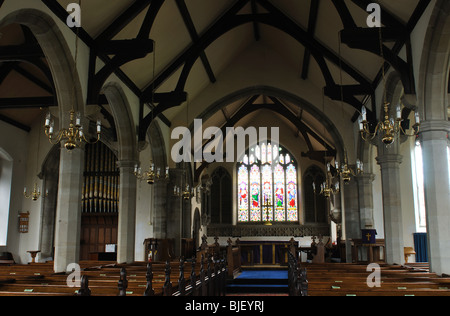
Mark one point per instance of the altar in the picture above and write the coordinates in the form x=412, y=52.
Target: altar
x=264, y=252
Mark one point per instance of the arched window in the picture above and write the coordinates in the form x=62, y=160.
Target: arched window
x=221, y=197
x=267, y=186
x=315, y=203
x=418, y=187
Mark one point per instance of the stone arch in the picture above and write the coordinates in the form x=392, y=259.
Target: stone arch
x=70, y=97
x=59, y=57
x=278, y=93
x=435, y=65
x=123, y=119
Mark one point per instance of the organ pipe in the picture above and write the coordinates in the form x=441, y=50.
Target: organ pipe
x=101, y=180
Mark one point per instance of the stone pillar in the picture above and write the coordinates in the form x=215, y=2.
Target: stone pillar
x=365, y=196
x=174, y=210
x=389, y=161
x=352, y=223
x=437, y=193
x=160, y=209
x=68, y=209
x=127, y=212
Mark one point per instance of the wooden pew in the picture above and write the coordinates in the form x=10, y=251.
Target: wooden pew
x=207, y=277
x=350, y=279
x=233, y=258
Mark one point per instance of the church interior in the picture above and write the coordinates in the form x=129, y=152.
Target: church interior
x=249, y=134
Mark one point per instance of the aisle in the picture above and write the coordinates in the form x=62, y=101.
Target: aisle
x=259, y=281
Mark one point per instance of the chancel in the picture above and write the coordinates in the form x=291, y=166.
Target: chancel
x=312, y=147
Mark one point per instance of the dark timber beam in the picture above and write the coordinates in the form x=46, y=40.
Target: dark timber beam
x=5, y=70
x=281, y=109
x=344, y=13
x=188, y=58
x=123, y=20
x=256, y=32
x=27, y=103
x=34, y=79
x=193, y=51
x=116, y=47
x=20, y=52
x=281, y=21
x=34, y=102
x=312, y=23
x=14, y=123
x=194, y=36
x=369, y=40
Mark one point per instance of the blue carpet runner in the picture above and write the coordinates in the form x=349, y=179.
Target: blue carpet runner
x=260, y=281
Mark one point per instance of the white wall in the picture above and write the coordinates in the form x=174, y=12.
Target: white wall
x=6, y=170
x=14, y=142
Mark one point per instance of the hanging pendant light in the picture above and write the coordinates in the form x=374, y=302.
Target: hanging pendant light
x=72, y=136
x=36, y=193
x=327, y=188
x=346, y=172
x=389, y=128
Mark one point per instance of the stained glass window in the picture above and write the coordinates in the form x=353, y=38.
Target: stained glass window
x=278, y=177
x=255, y=208
x=267, y=193
x=292, y=205
x=243, y=193
x=268, y=190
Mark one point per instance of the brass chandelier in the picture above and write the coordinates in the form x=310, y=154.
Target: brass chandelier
x=150, y=176
x=346, y=172
x=73, y=136
x=35, y=194
x=327, y=188
x=389, y=128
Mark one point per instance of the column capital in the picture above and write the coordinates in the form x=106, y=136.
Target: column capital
x=434, y=130
x=127, y=163
x=365, y=177
x=389, y=158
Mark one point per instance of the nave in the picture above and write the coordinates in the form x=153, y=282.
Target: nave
x=222, y=276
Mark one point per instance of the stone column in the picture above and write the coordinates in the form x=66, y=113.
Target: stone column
x=127, y=212
x=68, y=209
x=365, y=196
x=437, y=193
x=351, y=218
x=389, y=161
x=174, y=210
x=160, y=209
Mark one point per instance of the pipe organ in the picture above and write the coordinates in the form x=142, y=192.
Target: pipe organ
x=101, y=180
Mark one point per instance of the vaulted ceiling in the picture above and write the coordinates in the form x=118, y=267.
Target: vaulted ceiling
x=166, y=50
